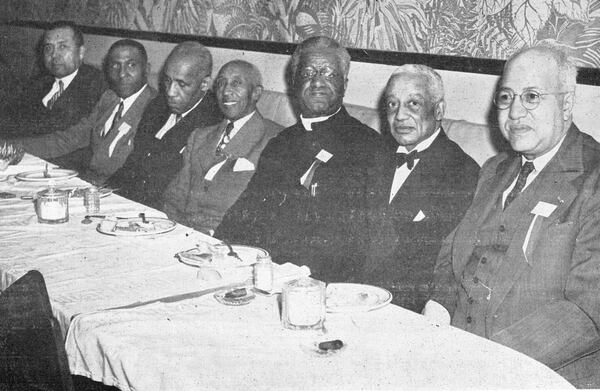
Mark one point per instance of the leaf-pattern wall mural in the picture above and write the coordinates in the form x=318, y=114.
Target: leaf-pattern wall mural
x=485, y=28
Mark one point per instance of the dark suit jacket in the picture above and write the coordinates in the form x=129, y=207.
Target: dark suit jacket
x=548, y=304
x=88, y=132
x=403, y=251
x=199, y=203
x=153, y=162
x=28, y=116
x=325, y=231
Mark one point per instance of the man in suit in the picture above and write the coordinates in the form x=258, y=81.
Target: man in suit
x=219, y=160
x=66, y=92
x=421, y=188
x=111, y=126
x=185, y=104
x=307, y=201
x=522, y=267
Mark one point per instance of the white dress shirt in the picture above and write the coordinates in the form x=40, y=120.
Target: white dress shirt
x=172, y=120
x=403, y=172
x=538, y=163
x=127, y=103
x=237, y=125
x=55, y=87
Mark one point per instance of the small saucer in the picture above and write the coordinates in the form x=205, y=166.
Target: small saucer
x=235, y=296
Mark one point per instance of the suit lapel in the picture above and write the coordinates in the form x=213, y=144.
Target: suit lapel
x=554, y=185
x=246, y=138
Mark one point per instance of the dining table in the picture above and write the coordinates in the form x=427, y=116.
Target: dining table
x=135, y=317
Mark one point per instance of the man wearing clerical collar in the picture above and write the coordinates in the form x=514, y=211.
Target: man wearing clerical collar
x=307, y=201
x=186, y=103
x=422, y=186
x=522, y=266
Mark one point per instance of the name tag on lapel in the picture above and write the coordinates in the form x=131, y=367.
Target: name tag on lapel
x=419, y=217
x=543, y=209
x=323, y=156
x=124, y=128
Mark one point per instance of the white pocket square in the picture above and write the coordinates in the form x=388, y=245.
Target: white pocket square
x=243, y=164
x=419, y=217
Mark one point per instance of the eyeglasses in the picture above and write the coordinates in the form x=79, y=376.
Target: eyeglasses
x=530, y=98
x=310, y=72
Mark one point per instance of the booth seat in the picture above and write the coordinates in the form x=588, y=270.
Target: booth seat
x=479, y=141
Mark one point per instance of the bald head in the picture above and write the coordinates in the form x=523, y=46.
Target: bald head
x=186, y=76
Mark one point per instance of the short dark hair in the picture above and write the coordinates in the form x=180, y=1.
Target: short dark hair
x=321, y=43
x=66, y=24
x=130, y=43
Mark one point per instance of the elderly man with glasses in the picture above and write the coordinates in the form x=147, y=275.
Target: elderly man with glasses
x=523, y=266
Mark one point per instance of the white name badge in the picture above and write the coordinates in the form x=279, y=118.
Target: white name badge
x=323, y=156
x=543, y=209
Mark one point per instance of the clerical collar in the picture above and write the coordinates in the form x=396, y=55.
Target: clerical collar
x=307, y=122
x=423, y=145
x=66, y=79
x=541, y=161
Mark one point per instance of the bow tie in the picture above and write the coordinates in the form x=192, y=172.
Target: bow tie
x=408, y=158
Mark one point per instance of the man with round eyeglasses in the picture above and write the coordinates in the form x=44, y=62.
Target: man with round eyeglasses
x=522, y=267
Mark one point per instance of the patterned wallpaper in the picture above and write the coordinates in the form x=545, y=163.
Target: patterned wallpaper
x=484, y=28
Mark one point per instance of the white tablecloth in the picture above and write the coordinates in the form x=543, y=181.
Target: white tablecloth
x=200, y=344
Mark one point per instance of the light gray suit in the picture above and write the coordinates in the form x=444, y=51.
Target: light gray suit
x=544, y=301
x=88, y=132
x=200, y=203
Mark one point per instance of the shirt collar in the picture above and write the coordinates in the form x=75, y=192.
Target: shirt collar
x=193, y=107
x=127, y=102
x=66, y=79
x=541, y=161
x=307, y=122
x=239, y=123
x=423, y=145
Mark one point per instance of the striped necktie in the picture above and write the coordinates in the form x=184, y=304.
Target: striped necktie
x=225, y=140
x=58, y=93
x=526, y=169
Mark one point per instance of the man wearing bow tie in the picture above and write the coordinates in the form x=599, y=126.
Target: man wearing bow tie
x=219, y=160
x=109, y=129
x=523, y=266
x=187, y=103
x=421, y=188
x=67, y=90
x=306, y=204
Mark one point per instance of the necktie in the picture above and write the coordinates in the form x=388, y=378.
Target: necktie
x=178, y=118
x=225, y=138
x=526, y=169
x=55, y=97
x=115, y=121
x=408, y=158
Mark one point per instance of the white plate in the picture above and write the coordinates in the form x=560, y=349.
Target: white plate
x=218, y=259
x=346, y=297
x=56, y=174
x=133, y=227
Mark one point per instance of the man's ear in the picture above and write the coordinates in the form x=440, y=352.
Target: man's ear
x=568, y=103
x=81, y=52
x=257, y=92
x=440, y=109
x=205, y=83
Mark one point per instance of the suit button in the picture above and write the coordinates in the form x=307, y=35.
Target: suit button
x=502, y=228
x=470, y=300
x=475, y=280
x=469, y=319
x=484, y=260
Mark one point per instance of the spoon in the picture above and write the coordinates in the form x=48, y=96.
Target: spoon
x=46, y=174
x=88, y=218
x=143, y=217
